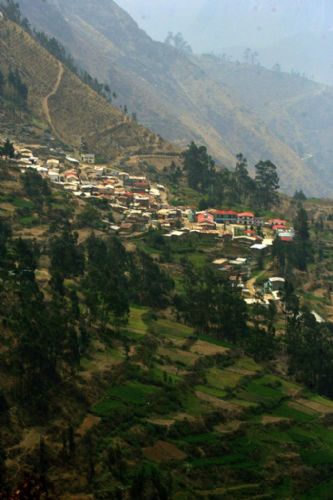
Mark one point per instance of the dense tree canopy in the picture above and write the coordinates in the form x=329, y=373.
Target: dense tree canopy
x=223, y=186
x=212, y=305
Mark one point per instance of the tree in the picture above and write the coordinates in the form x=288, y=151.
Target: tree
x=151, y=284
x=2, y=465
x=89, y=217
x=199, y=166
x=43, y=460
x=106, y=282
x=299, y=196
x=244, y=184
x=267, y=183
x=310, y=351
x=7, y=150
x=2, y=82
x=177, y=41
x=35, y=186
x=149, y=483
x=173, y=173
x=301, y=224
x=67, y=259
x=212, y=305
x=203, y=205
x=303, y=251
x=20, y=89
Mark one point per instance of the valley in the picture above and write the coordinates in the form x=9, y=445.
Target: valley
x=165, y=321
x=181, y=98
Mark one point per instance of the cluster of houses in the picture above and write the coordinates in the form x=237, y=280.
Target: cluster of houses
x=137, y=204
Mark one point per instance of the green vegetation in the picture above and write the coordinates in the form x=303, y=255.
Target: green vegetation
x=133, y=368
x=232, y=188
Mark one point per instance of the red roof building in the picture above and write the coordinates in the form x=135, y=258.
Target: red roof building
x=278, y=227
x=205, y=217
x=225, y=212
x=287, y=239
x=246, y=215
x=278, y=222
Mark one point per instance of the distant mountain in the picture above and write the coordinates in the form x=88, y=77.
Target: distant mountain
x=296, y=110
x=258, y=23
x=296, y=33
x=170, y=93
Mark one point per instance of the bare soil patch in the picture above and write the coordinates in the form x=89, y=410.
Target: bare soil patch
x=218, y=403
x=164, y=452
x=88, y=423
x=228, y=427
x=207, y=349
x=271, y=420
x=313, y=405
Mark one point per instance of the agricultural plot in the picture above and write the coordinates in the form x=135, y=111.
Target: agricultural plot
x=182, y=358
x=172, y=329
x=131, y=394
x=221, y=430
x=136, y=322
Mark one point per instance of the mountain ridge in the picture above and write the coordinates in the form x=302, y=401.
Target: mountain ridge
x=170, y=93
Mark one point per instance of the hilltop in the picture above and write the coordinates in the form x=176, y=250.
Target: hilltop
x=59, y=103
x=171, y=93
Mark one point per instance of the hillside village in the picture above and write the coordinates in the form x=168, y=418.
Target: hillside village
x=139, y=205
x=165, y=320
x=134, y=381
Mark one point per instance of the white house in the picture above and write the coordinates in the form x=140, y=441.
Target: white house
x=88, y=158
x=275, y=284
x=54, y=175
x=52, y=163
x=72, y=162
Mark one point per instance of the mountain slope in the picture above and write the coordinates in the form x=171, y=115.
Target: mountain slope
x=296, y=34
x=296, y=110
x=68, y=107
x=170, y=93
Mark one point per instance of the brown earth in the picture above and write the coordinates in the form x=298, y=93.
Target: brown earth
x=163, y=452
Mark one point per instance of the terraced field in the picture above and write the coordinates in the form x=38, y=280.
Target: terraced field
x=223, y=425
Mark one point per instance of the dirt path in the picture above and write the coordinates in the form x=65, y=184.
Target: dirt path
x=251, y=282
x=45, y=103
x=107, y=130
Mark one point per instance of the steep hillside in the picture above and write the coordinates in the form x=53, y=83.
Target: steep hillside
x=170, y=93
x=107, y=392
x=296, y=110
x=60, y=101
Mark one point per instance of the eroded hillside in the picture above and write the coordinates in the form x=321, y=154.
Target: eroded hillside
x=63, y=104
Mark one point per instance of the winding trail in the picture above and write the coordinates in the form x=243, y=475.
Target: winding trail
x=45, y=103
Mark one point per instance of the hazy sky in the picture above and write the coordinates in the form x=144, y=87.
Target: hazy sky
x=297, y=34
x=157, y=17
x=214, y=24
